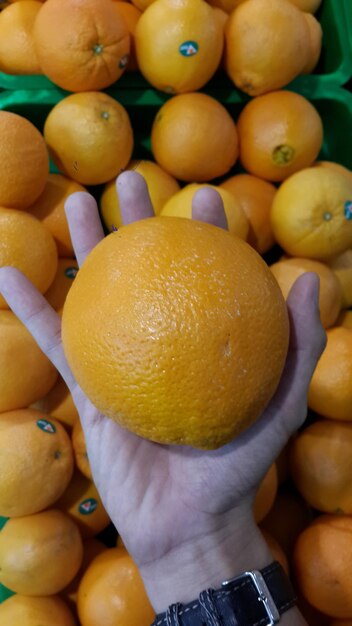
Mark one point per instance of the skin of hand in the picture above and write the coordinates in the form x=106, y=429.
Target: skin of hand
x=185, y=515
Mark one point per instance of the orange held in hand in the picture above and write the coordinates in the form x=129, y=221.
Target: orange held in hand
x=161, y=345
x=82, y=45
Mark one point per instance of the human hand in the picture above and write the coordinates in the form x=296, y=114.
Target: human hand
x=184, y=515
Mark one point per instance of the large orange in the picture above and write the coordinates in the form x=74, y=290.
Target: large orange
x=59, y=288
x=89, y=136
x=58, y=402
x=287, y=271
x=112, y=592
x=27, y=245
x=322, y=563
x=188, y=374
x=342, y=268
x=81, y=501
x=50, y=210
x=82, y=45
x=280, y=133
x=36, y=464
x=179, y=44
x=287, y=518
x=26, y=373
x=192, y=156
x=161, y=187
x=257, y=61
x=266, y=494
x=180, y=205
x=255, y=196
x=321, y=465
x=131, y=15
x=80, y=450
x=27, y=611
x=17, y=52
x=311, y=214
x=24, y=161
x=330, y=391
x=39, y=554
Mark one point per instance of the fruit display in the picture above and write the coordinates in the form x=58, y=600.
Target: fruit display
x=170, y=324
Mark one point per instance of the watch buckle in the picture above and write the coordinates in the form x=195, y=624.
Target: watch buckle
x=264, y=594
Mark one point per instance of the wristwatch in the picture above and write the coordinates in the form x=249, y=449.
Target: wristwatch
x=255, y=598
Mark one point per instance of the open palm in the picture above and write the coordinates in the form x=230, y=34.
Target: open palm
x=163, y=498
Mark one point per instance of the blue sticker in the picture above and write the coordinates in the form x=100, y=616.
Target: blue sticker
x=348, y=210
x=88, y=506
x=46, y=426
x=71, y=272
x=188, y=48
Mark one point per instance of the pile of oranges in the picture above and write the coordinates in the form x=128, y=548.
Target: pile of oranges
x=289, y=206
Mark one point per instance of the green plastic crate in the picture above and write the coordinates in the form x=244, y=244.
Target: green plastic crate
x=334, y=67
x=334, y=104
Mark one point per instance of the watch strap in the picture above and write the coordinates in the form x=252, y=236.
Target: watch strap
x=251, y=599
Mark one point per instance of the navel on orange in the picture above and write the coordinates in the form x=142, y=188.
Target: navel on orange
x=188, y=374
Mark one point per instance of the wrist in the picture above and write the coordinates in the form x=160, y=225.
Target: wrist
x=203, y=562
